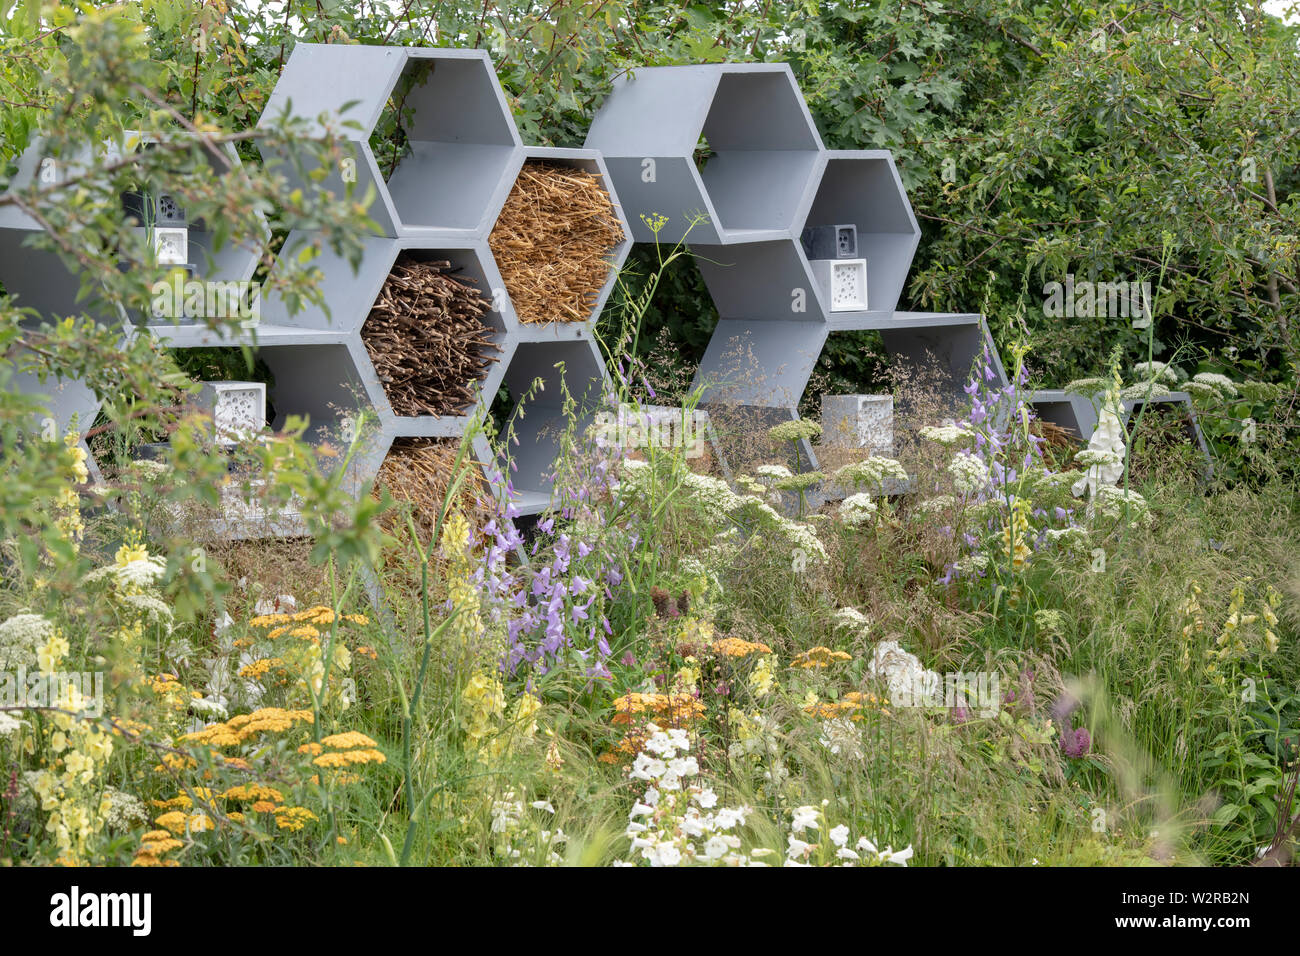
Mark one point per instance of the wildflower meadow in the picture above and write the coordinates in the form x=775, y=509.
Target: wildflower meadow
x=590, y=609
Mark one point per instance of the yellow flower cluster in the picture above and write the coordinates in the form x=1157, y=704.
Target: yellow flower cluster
x=735, y=647
x=254, y=792
x=77, y=750
x=261, y=667
x=853, y=705
x=293, y=819
x=153, y=846
x=346, y=749
x=1015, y=532
x=179, y=822
x=817, y=657
x=318, y=616
x=242, y=727
x=670, y=710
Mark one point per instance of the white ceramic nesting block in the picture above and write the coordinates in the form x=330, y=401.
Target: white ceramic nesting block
x=844, y=281
x=859, y=421
x=238, y=409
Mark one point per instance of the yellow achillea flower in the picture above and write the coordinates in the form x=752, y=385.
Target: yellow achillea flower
x=818, y=657
x=241, y=727
x=676, y=709
x=347, y=758
x=853, y=705
x=253, y=791
x=173, y=821
x=317, y=615
x=259, y=668
x=180, y=802
x=263, y=806
x=293, y=818
x=735, y=647
x=349, y=739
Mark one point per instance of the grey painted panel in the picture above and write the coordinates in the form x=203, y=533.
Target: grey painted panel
x=759, y=363
x=759, y=280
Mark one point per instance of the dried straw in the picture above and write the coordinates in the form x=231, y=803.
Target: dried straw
x=427, y=339
x=552, y=242
x=417, y=471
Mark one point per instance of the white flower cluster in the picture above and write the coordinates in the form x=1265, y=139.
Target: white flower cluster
x=521, y=839
x=676, y=822
x=775, y=472
x=857, y=509
x=851, y=618
x=969, y=474
x=720, y=505
x=1114, y=502
x=903, y=674
x=842, y=737
x=1144, y=390
x=1105, y=451
x=871, y=473
x=1220, y=383
x=799, y=851
x=947, y=435
x=19, y=638
x=1158, y=371
x=936, y=504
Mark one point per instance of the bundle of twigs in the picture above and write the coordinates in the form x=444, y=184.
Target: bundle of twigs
x=427, y=339
x=418, y=471
x=552, y=242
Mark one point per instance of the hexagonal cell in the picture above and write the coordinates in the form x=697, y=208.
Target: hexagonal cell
x=538, y=421
x=924, y=360
x=732, y=141
x=560, y=240
x=1168, y=404
x=761, y=281
x=764, y=364
x=416, y=472
x=861, y=188
x=1074, y=413
x=38, y=279
x=232, y=262
x=434, y=343
x=459, y=147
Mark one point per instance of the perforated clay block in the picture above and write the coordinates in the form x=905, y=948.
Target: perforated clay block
x=238, y=409
x=859, y=421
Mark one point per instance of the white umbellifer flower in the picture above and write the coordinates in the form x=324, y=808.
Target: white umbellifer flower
x=857, y=509
x=1114, y=502
x=804, y=818
x=1087, y=386
x=946, y=435
x=871, y=473
x=937, y=503
x=969, y=473
x=1107, y=439
x=1157, y=371
x=1201, y=392
x=851, y=617
x=1220, y=383
x=1144, y=390
x=20, y=636
x=773, y=471
x=9, y=723
x=839, y=835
